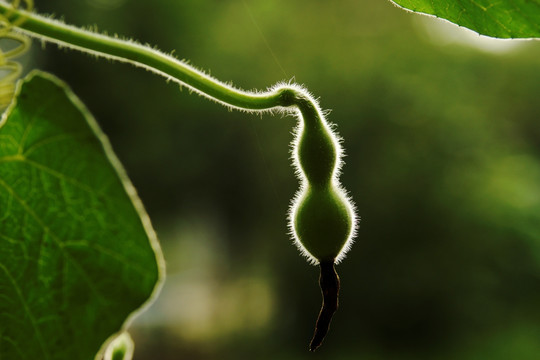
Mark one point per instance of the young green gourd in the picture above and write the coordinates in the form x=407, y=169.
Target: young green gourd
x=322, y=218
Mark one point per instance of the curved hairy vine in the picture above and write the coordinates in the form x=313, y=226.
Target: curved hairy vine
x=11, y=70
x=322, y=218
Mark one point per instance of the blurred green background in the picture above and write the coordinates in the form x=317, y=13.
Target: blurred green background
x=442, y=136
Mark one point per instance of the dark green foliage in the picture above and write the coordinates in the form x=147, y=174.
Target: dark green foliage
x=502, y=19
x=75, y=245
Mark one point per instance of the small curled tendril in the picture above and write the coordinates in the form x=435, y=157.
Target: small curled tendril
x=11, y=70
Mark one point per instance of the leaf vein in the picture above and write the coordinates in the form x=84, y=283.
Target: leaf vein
x=57, y=240
x=27, y=310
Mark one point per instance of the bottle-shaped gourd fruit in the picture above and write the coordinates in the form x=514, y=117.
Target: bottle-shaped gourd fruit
x=322, y=217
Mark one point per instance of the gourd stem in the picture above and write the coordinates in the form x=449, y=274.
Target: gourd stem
x=54, y=31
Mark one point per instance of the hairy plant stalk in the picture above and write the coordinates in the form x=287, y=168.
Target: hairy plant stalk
x=54, y=31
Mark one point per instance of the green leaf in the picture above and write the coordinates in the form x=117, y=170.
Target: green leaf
x=501, y=18
x=77, y=251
